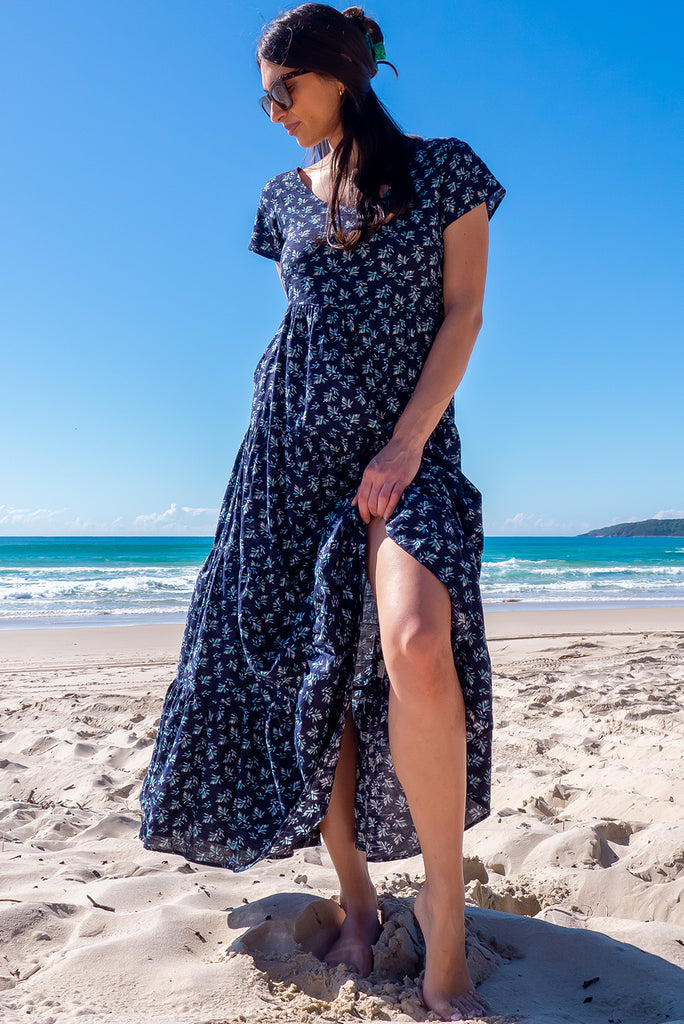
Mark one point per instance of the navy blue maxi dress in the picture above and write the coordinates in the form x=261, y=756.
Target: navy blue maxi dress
x=281, y=638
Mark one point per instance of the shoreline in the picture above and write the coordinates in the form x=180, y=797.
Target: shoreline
x=519, y=623
x=492, y=610
x=94, y=582
x=160, y=642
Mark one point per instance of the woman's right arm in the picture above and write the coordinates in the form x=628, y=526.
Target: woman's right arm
x=280, y=276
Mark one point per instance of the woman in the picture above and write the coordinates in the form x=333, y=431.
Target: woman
x=334, y=679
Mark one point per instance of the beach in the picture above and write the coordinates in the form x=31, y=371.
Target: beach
x=575, y=883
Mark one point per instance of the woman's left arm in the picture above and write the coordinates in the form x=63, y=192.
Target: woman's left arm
x=466, y=242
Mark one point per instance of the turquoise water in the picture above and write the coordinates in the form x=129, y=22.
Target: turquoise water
x=580, y=572
x=94, y=580
x=58, y=581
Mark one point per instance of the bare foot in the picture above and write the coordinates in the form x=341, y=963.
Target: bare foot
x=447, y=987
x=360, y=929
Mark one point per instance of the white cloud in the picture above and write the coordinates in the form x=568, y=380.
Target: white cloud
x=518, y=519
x=523, y=520
x=177, y=519
x=534, y=524
x=669, y=513
x=11, y=516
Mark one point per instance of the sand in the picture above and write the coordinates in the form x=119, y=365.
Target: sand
x=575, y=883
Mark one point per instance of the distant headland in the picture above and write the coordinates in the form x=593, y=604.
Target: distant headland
x=646, y=528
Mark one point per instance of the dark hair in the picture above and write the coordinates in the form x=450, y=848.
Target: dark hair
x=332, y=43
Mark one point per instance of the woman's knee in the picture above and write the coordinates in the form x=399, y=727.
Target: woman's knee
x=414, y=611
x=418, y=645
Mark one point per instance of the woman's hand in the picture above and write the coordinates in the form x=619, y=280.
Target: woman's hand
x=385, y=477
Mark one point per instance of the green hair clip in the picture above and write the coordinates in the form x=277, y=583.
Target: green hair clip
x=377, y=49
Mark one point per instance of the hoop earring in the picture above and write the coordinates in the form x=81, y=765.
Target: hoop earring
x=341, y=91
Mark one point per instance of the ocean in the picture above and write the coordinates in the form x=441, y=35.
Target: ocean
x=65, y=581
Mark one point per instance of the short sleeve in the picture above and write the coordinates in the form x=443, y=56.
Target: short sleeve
x=267, y=238
x=465, y=182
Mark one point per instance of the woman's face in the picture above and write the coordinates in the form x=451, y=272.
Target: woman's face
x=316, y=101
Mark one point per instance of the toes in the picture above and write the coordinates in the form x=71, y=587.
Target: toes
x=480, y=1004
x=349, y=959
x=467, y=1006
x=352, y=968
x=340, y=960
x=442, y=1008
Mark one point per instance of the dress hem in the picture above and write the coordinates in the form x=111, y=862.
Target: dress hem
x=191, y=852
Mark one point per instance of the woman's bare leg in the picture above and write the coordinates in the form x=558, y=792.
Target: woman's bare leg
x=428, y=744
x=358, y=897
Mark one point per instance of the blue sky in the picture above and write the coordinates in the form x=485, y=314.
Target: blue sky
x=133, y=314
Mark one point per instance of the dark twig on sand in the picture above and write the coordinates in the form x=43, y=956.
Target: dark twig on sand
x=100, y=906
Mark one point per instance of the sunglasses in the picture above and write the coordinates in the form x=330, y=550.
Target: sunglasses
x=279, y=93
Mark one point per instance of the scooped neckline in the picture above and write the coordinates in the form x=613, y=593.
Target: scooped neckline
x=323, y=202
x=313, y=195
